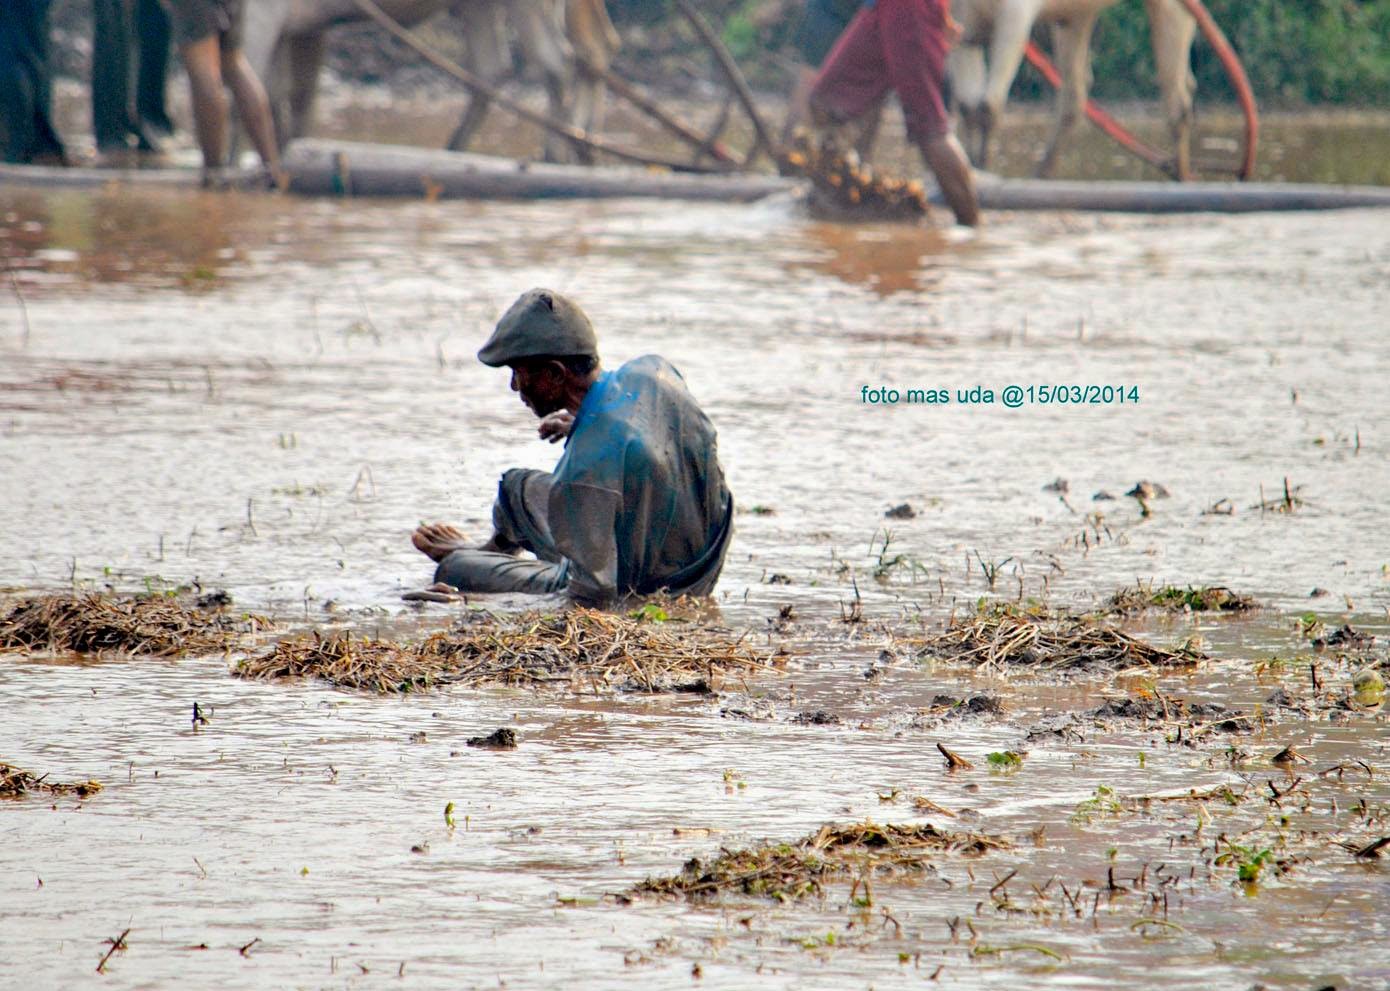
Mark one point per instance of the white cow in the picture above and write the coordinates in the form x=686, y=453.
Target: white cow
x=981, y=85
x=284, y=39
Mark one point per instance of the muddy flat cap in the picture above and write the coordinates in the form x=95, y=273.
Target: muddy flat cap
x=540, y=323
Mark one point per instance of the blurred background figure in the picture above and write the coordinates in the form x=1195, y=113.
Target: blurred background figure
x=27, y=133
x=122, y=29
x=821, y=24
x=208, y=33
x=900, y=46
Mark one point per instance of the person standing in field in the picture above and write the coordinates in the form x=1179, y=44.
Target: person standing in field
x=901, y=45
x=820, y=26
x=208, y=35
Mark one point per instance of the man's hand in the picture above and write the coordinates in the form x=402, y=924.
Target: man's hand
x=556, y=426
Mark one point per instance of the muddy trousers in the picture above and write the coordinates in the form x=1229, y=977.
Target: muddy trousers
x=519, y=518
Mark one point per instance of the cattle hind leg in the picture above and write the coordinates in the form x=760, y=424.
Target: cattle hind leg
x=305, y=60
x=1173, y=29
x=488, y=52
x=967, y=76
x=595, y=41
x=1072, y=40
x=540, y=29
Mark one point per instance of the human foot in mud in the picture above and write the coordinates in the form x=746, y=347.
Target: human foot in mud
x=438, y=540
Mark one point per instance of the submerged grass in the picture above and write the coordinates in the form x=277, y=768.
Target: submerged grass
x=15, y=782
x=1142, y=598
x=91, y=623
x=581, y=648
x=1003, y=637
x=787, y=871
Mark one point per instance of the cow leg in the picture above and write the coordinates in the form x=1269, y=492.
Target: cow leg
x=1072, y=40
x=595, y=41
x=488, y=53
x=1173, y=29
x=305, y=58
x=540, y=29
x=965, y=66
x=1009, y=37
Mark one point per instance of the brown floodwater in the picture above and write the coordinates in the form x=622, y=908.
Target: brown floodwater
x=266, y=394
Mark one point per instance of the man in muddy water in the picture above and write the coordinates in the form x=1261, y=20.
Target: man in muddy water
x=637, y=503
x=901, y=45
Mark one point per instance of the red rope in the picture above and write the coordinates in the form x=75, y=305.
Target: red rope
x=1122, y=136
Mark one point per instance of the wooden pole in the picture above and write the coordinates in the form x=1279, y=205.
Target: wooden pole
x=735, y=77
x=477, y=85
x=708, y=145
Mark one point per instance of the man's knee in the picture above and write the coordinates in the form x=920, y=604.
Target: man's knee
x=203, y=61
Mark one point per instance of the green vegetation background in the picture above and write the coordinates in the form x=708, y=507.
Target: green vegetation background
x=1294, y=51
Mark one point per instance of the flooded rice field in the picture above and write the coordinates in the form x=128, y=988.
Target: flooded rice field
x=264, y=395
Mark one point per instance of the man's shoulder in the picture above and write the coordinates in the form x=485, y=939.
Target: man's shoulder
x=647, y=366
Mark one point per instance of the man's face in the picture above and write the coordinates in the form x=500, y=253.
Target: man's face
x=541, y=385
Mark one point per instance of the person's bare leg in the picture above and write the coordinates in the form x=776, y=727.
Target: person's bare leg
x=203, y=61
x=253, y=107
x=946, y=158
x=799, y=104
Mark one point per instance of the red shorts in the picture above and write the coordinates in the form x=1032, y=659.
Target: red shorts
x=895, y=44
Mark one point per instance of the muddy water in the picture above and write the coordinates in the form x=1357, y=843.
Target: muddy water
x=265, y=395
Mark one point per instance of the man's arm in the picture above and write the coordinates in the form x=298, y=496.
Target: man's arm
x=556, y=427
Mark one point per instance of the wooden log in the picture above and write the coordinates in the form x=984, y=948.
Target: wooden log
x=333, y=168
x=328, y=168
x=56, y=177
x=1163, y=197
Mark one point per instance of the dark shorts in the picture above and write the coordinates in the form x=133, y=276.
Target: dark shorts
x=195, y=20
x=895, y=44
x=822, y=22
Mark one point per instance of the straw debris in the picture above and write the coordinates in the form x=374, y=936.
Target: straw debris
x=1142, y=598
x=1005, y=638
x=844, y=185
x=157, y=626
x=582, y=649
x=787, y=871
x=14, y=783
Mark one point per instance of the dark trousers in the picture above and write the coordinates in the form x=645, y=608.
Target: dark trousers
x=115, y=118
x=26, y=83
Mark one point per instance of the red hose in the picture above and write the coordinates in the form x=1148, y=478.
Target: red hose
x=1096, y=115
x=1117, y=131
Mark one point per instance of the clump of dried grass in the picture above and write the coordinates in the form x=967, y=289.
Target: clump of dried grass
x=786, y=871
x=1141, y=598
x=580, y=648
x=1003, y=638
x=91, y=623
x=14, y=783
